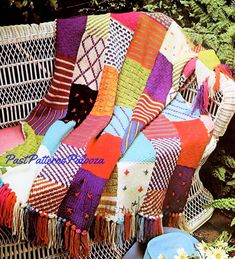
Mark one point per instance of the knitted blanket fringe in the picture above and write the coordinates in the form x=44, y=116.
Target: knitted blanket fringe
x=53, y=231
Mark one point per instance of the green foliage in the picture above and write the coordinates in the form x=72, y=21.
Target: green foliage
x=232, y=183
x=27, y=11
x=224, y=236
x=222, y=168
x=220, y=173
x=213, y=25
x=174, y=9
x=227, y=238
x=227, y=168
x=224, y=203
x=233, y=222
x=111, y=5
x=229, y=161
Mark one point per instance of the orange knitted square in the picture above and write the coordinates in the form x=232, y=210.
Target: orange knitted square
x=107, y=92
x=146, y=42
x=192, y=151
x=108, y=148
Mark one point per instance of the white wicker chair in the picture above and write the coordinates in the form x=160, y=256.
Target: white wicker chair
x=26, y=67
x=195, y=212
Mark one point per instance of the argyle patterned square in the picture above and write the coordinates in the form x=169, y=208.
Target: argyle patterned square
x=90, y=62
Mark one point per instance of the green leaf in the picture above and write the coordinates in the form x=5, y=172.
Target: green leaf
x=231, y=183
x=18, y=4
x=230, y=162
x=224, y=203
x=219, y=173
x=150, y=8
x=224, y=236
x=233, y=222
x=53, y=4
x=25, y=3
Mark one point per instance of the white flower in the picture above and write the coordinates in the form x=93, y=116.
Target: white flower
x=161, y=257
x=216, y=253
x=221, y=244
x=202, y=248
x=181, y=254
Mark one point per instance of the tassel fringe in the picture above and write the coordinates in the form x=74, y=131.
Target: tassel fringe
x=112, y=235
x=76, y=241
x=6, y=198
x=52, y=232
x=66, y=235
x=46, y=229
x=127, y=225
x=217, y=79
x=148, y=227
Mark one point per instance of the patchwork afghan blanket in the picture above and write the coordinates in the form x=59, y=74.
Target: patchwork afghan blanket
x=113, y=146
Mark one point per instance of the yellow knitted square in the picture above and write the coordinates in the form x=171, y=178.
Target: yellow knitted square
x=209, y=58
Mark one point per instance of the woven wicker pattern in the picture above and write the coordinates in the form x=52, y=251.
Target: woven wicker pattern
x=10, y=248
x=26, y=54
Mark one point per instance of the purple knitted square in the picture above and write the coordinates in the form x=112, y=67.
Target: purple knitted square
x=85, y=192
x=68, y=35
x=160, y=80
x=178, y=189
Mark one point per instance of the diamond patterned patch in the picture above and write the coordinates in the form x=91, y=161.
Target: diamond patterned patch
x=90, y=62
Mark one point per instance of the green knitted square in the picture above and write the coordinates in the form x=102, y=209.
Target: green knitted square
x=131, y=84
x=98, y=25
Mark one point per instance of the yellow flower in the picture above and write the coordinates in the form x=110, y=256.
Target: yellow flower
x=161, y=257
x=181, y=254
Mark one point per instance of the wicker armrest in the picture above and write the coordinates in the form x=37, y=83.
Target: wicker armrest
x=226, y=109
x=26, y=67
